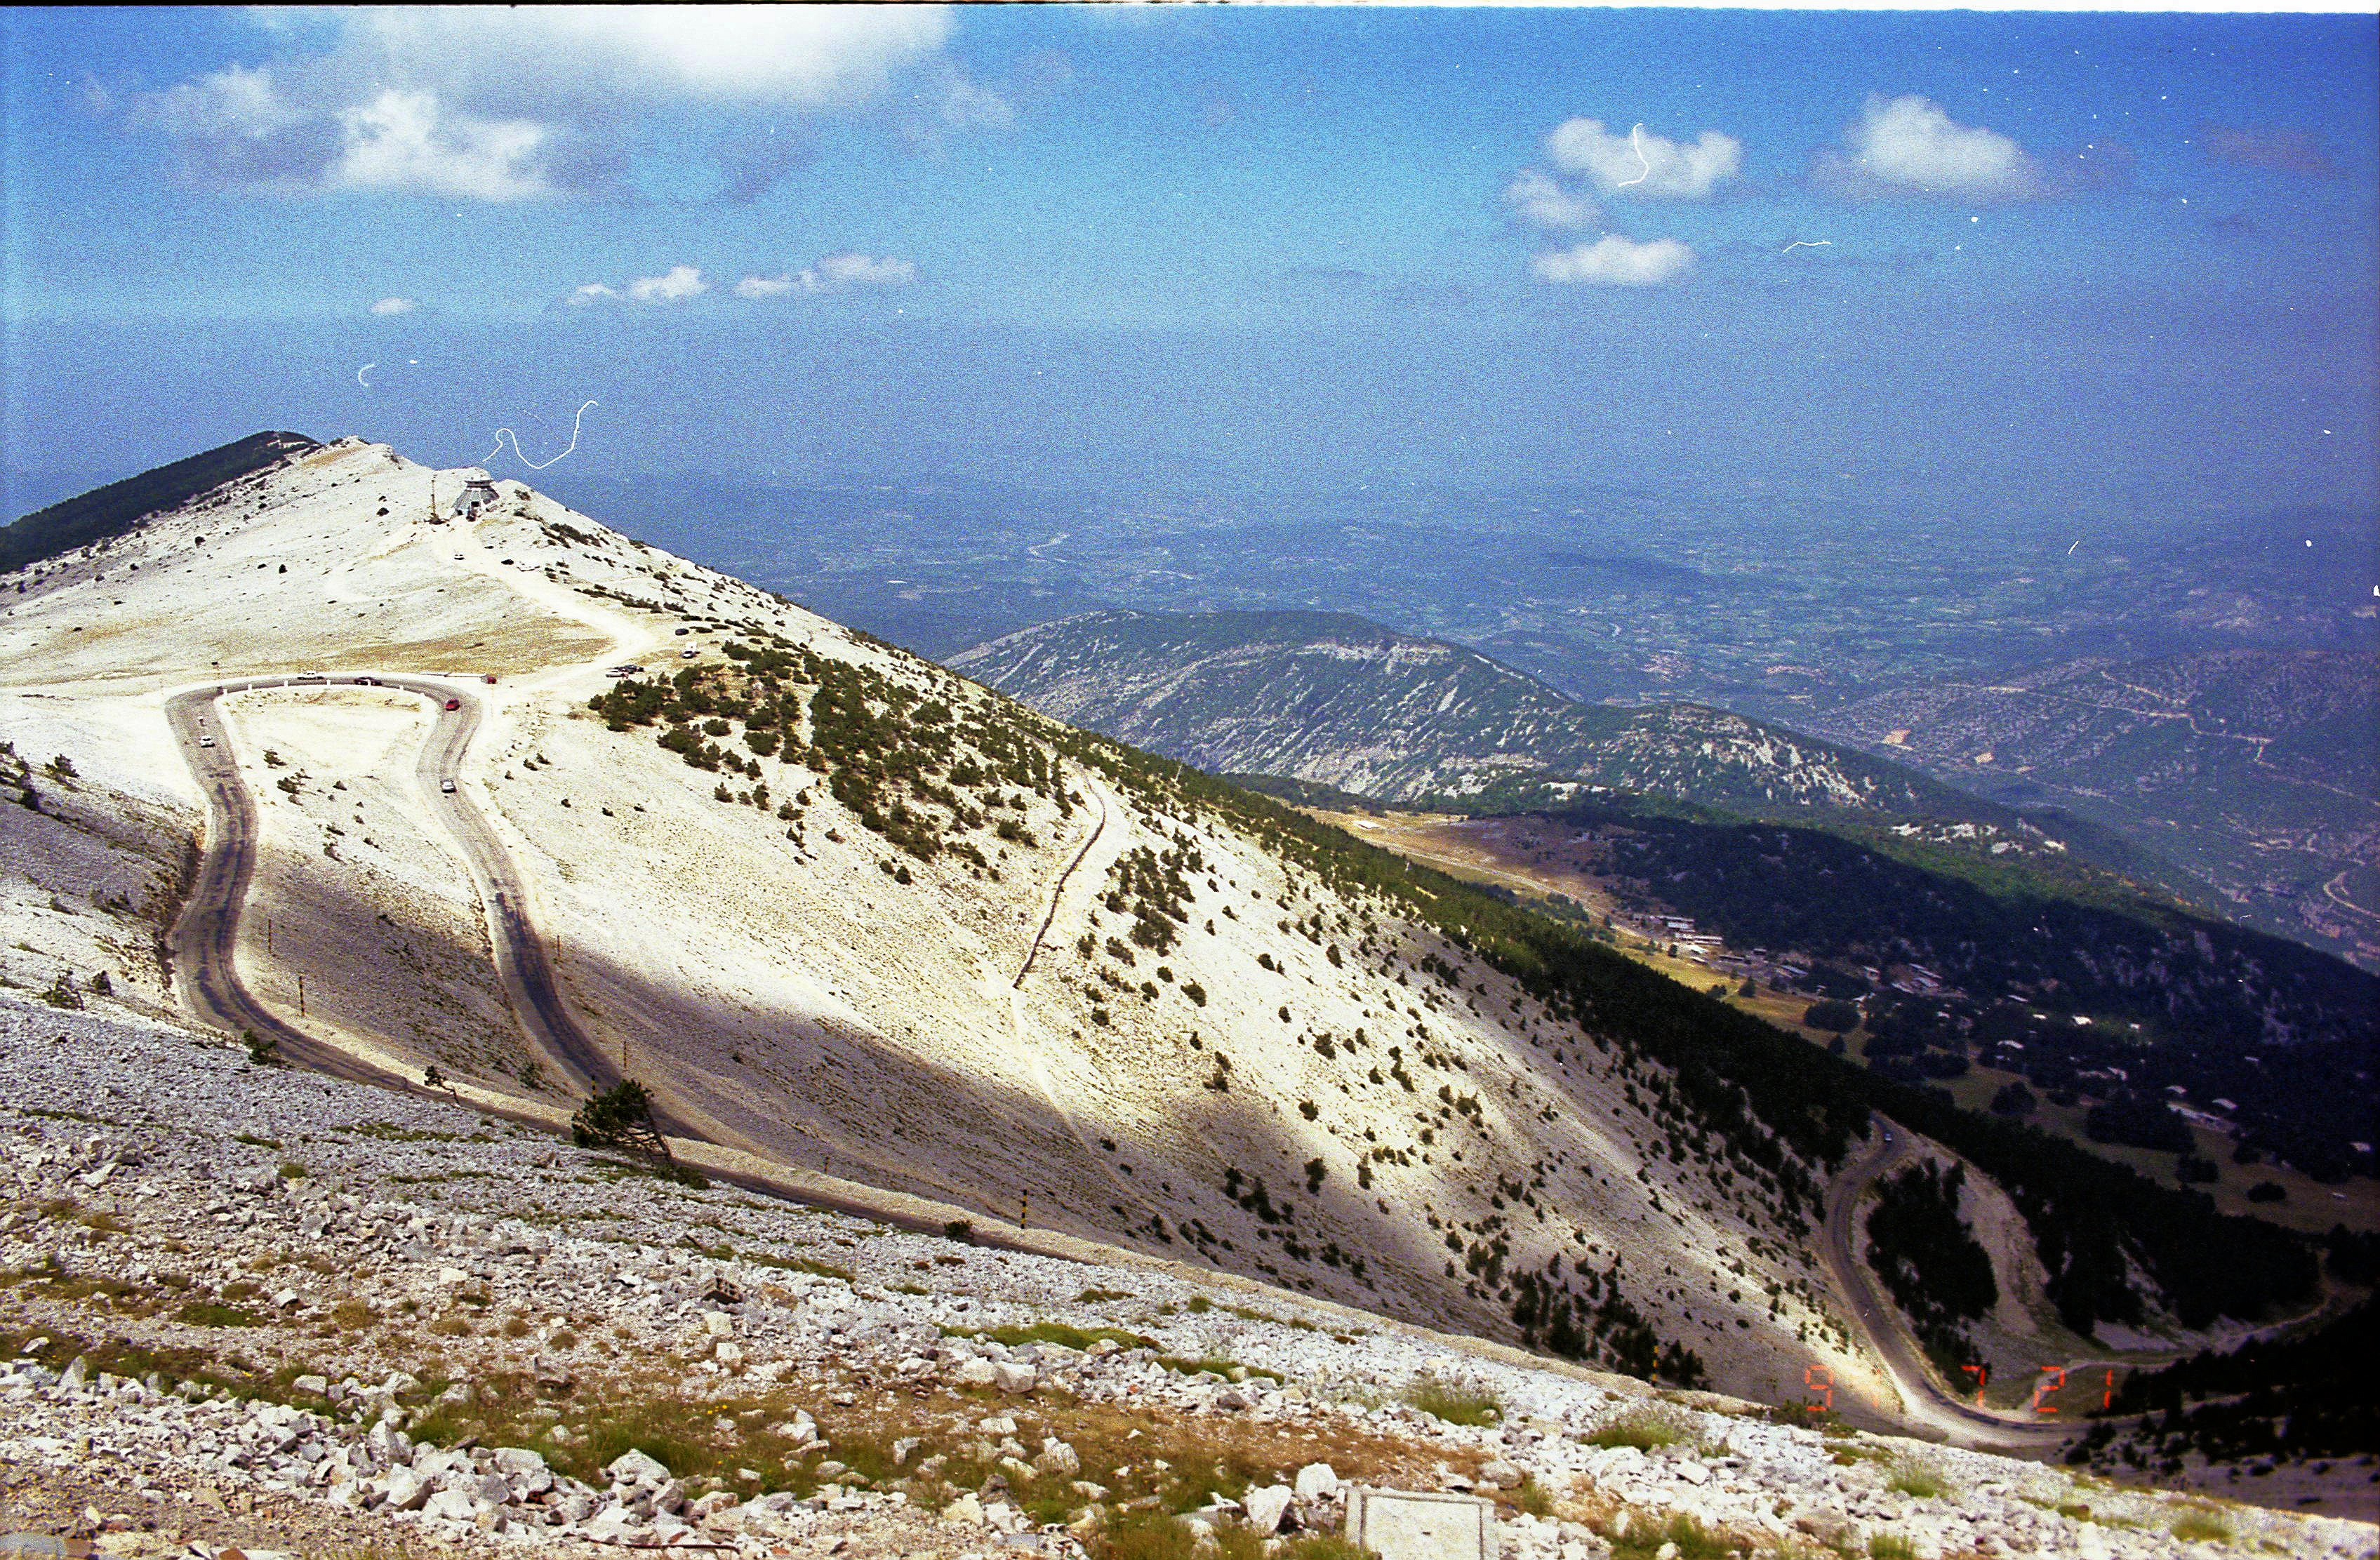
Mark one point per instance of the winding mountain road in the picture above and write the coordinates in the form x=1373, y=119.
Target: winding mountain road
x=1922, y=1399
x=206, y=938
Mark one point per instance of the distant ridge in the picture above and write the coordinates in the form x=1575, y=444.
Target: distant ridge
x=1345, y=702
x=111, y=511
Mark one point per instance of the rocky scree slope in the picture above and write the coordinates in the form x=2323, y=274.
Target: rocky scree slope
x=793, y=879
x=844, y=910
x=248, y=1306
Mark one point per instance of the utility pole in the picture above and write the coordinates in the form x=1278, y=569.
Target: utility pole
x=268, y=937
x=301, y=996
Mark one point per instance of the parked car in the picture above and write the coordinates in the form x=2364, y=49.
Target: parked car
x=206, y=742
x=453, y=703
x=446, y=785
x=492, y=676
x=367, y=682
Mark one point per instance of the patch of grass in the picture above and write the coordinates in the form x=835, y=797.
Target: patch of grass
x=1094, y=1297
x=1321, y=1546
x=292, y=1170
x=1646, y=1429
x=1693, y=1542
x=210, y=1313
x=353, y=1315
x=1914, y=1479
x=1219, y=1364
x=254, y=1142
x=1065, y=1336
x=1453, y=1403
x=2199, y=1526
x=1891, y=1546
x=797, y=1264
x=1532, y=1497
x=2075, y=1511
x=1146, y=1536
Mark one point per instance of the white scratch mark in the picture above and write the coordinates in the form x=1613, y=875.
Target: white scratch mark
x=505, y=434
x=1636, y=146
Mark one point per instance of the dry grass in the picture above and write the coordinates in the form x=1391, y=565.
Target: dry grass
x=1154, y=1464
x=1454, y=1404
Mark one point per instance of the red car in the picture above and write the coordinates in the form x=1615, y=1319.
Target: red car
x=453, y=703
x=492, y=676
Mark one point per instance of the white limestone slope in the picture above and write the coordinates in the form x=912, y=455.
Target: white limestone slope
x=795, y=1000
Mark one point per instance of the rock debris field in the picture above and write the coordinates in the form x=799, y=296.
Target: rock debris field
x=251, y=1307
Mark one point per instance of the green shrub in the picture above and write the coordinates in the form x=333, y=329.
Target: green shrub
x=2200, y=1527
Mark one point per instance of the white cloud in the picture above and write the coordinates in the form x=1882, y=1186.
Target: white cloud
x=1642, y=163
x=503, y=103
x=860, y=270
x=1615, y=261
x=967, y=106
x=1909, y=146
x=834, y=274
x=676, y=284
x=231, y=104
x=682, y=283
x=800, y=57
x=402, y=141
x=394, y=305
x=1541, y=202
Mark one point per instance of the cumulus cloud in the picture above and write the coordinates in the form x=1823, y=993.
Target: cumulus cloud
x=1909, y=146
x=833, y=273
x=1616, y=261
x=394, y=305
x=1644, y=164
x=1542, y=202
x=2286, y=151
x=499, y=105
x=682, y=283
x=404, y=141
x=676, y=285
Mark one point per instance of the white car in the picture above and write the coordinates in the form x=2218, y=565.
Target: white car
x=206, y=742
x=447, y=786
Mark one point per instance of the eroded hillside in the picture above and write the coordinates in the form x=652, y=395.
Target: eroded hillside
x=1345, y=702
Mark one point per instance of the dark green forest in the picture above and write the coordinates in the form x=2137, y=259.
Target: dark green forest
x=2089, y=991
x=1930, y=1261
x=111, y=511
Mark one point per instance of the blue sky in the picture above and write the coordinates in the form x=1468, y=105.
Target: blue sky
x=2109, y=263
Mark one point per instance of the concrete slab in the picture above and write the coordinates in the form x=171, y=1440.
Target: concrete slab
x=1411, y=1525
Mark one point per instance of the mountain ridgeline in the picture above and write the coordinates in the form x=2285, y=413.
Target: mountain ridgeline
x=1345, y=702
x=108, y=512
